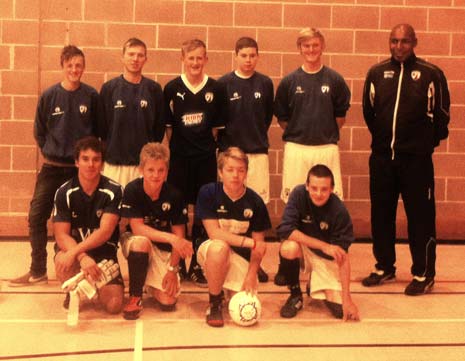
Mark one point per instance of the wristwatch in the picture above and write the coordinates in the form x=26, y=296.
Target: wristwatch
x=174, y=269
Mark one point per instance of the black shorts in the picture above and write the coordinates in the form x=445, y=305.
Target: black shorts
x=188, y=174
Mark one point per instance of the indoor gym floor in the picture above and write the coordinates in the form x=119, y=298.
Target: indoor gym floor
x=393, y=326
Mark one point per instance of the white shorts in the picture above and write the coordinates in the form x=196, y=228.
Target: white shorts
x=158, y=263
x=121, y=174
x=238, y=267
x=324, y=275
x=298, y=159
x=258, y=175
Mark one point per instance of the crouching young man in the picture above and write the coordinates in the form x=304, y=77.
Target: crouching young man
x=317, y=231
x=85, y=223
x=157, y=217
x=234, y=220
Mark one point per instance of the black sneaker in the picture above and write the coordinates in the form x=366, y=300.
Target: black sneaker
x=419, y=286
x=280, y=279
x=293, y=304
x=182, y=270
x=66, y=301
x=196, y=276
x=215, y=315
x=262, y=276
x=335, y=309
x=378, y=277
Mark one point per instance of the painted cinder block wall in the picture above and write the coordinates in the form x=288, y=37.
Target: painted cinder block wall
x=32, y=33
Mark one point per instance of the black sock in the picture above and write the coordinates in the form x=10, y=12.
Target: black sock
x=280, y=267
x=137, y=264
x=216, y=299
x=291, y=269
x=193, y=263
x=196, y=233
x=182, y=266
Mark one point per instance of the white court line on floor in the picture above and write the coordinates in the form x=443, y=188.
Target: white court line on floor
x=138, y=340
x=274, y=320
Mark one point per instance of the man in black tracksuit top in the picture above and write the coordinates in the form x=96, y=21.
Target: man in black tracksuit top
x=406, y=108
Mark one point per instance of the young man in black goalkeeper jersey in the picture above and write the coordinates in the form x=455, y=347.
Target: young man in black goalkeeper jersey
x=130, y=115
x=157, y=216
x=194, y=104
x=85, y=224
x=249, y=97
x=66, y=112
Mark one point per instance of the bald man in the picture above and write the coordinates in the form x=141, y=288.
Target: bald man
x=406, y=108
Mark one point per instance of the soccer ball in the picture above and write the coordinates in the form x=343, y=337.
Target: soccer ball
x=245, y=309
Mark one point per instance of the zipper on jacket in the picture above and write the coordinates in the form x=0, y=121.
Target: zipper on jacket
x=396, y=107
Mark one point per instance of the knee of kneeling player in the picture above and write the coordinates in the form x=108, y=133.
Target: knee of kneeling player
x=166, y=303
x=290, y=249
x=218, y=249
x=140, y=244
x=114, y=304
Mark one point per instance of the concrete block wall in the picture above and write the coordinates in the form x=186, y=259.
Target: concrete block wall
x=32, y=33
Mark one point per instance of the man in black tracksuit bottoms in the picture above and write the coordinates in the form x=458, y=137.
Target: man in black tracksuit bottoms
x=406, y=108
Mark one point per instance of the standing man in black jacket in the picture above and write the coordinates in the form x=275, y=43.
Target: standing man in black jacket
x=406, y=108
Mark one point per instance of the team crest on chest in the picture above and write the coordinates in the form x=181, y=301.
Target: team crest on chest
x=166, y=206
x=82, y=109
x=58, y=111
x=208, y=97
x=257, y=95
x=99, y=213
x=416, y=74
x=325, y=89
x=143, y=103
x=324, y=226
x=248, y=213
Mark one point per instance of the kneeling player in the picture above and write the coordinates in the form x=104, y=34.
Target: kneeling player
x=157, y=216
x=85, y=224
x=234, y=219
x=317, y=231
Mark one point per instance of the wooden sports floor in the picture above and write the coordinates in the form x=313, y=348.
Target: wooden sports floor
x=393, y=326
